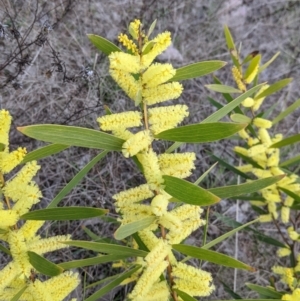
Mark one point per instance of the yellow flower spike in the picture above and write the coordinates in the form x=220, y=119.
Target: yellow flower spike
x=171, y=222
x=50, y=244
x=129, y=44
x=7, y=275
x=5, y=122
x=135, y=213
x=133, y=195
x=248, y=102
x=265, y=218
x=289, y=201
x=192, y=281
x=158, y=253
x=274, y=159
x=61, y=286
x=252, y=141
x=136, y=144
x=264, y=136
x=188, y=212
x=18, y=249
x=162, y=42
x=8, y=218
x=145, y=283
x=282, y=252
x=157, y=74
x=162, y=93
x=295, y=296
x=272, y=208
x=30, y=228
x=237, y=76
x=152, y=173
x=241, y=150
x=127, y=82
x=262, y=123
x=256, y=150
x=258, y=101
x=158, y=292
x=189, y=226
x=165, y=118
x=134, y=28
x=8, y=161
x=117, y=121
x=159, y=204
x=124, y=62
x=243, y=134
x=122, y=133
x=177, y=165
x=245, y=168
x=292, y=233
x=25, y=196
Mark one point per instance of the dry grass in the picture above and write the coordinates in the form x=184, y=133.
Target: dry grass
x=35, y=92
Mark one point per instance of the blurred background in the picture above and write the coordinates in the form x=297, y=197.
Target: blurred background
x=51, y=73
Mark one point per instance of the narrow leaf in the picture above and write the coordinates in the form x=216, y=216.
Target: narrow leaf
x=223, y=88
x=230, y=106
x=240, y=118
x=290, y=162
x=5, y=250
x=112, y=249
x=268, y=63
x=72, y=135
x=212, y=256
x=252, y=66
x=264, y=238
x=202, y=177
x=200, y=133
x=90, y=261
x=151, y=28
x=222, y=112
x=265, y=291
x=43, y=265
x=126, y=230
x=103, y=45
x=229, y=291
x=228, y=38
x=287, y=141
x=184, y=296
x=77, y=178
x=63, y=214
x=287, y=111
x=44, y=152
x=215, y=103
x=18, y=295
x=197, y=70
x=274, y=88
x=235, y=190
x=293, y=195
x=229, y=166
x=188, y=193
x=107, y=288
x=228, y=234
x=249, y=160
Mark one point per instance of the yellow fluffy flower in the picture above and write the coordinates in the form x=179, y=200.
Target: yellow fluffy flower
x=117, y=121
x=162, y=93
x=136, y=144
x=165, y=118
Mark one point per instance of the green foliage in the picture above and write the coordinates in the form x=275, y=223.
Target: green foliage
x=158, y=216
